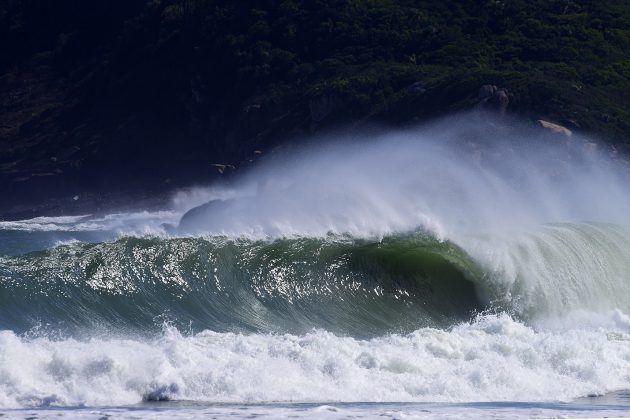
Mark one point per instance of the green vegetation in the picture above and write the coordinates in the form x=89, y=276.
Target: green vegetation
x=224, y=77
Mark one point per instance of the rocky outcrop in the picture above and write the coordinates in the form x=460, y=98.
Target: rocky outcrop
x=556, y=128
x=416, y=89
x=221, y=167
x=493, y=98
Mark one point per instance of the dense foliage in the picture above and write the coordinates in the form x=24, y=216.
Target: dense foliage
x=214, y=80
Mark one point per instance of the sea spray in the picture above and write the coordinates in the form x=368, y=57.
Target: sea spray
x=471, y=259
x=463, y=175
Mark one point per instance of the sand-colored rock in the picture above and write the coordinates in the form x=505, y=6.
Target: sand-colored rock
x=556, y=128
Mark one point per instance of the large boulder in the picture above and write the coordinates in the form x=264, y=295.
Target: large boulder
x=416, y=89
x=486, y=92
x=492, y=97
x=199, y=218
x=555, y=128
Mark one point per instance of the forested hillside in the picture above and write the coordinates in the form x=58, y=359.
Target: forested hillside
x=153, y=92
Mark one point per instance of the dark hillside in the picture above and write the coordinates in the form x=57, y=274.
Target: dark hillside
x=103, y=95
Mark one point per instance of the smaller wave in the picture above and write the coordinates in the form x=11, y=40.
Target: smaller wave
x=140, y=223
x=493, y=358
x=44, y=223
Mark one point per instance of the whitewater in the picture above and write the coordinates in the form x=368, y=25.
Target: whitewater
x=471, y=267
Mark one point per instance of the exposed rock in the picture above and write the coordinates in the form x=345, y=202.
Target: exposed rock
x=501, y=96
x=486, y=92
x=200, y=216
x=556, y=128
x=161, y=393
x=221, y=167
x=492, y=97
x=416, y=89
x=574, y=123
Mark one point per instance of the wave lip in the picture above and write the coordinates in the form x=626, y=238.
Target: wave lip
x=314, y=274
x=559, y=269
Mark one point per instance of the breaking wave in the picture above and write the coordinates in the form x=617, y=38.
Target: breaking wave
x=469, y=260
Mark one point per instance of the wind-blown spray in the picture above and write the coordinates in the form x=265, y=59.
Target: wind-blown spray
x=492, y=187
x=470, y=259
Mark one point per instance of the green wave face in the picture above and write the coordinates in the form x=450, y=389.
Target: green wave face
x=341, y=284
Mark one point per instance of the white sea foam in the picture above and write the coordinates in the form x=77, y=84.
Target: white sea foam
x=43, y=223
x=492, y=359
x=515, y=200
x=491, y=196
x=134, y=223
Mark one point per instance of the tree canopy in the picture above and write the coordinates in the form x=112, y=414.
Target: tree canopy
x=217, y=79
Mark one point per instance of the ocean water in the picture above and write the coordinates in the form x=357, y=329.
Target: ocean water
x=464, y=269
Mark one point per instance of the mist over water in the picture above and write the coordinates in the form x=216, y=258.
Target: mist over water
x=545, y=215
x=461, y=175
x=474, y=258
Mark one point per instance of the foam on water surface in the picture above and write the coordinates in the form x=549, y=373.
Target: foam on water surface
x=400, y=411
x=539, y=227
x=493, y=358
